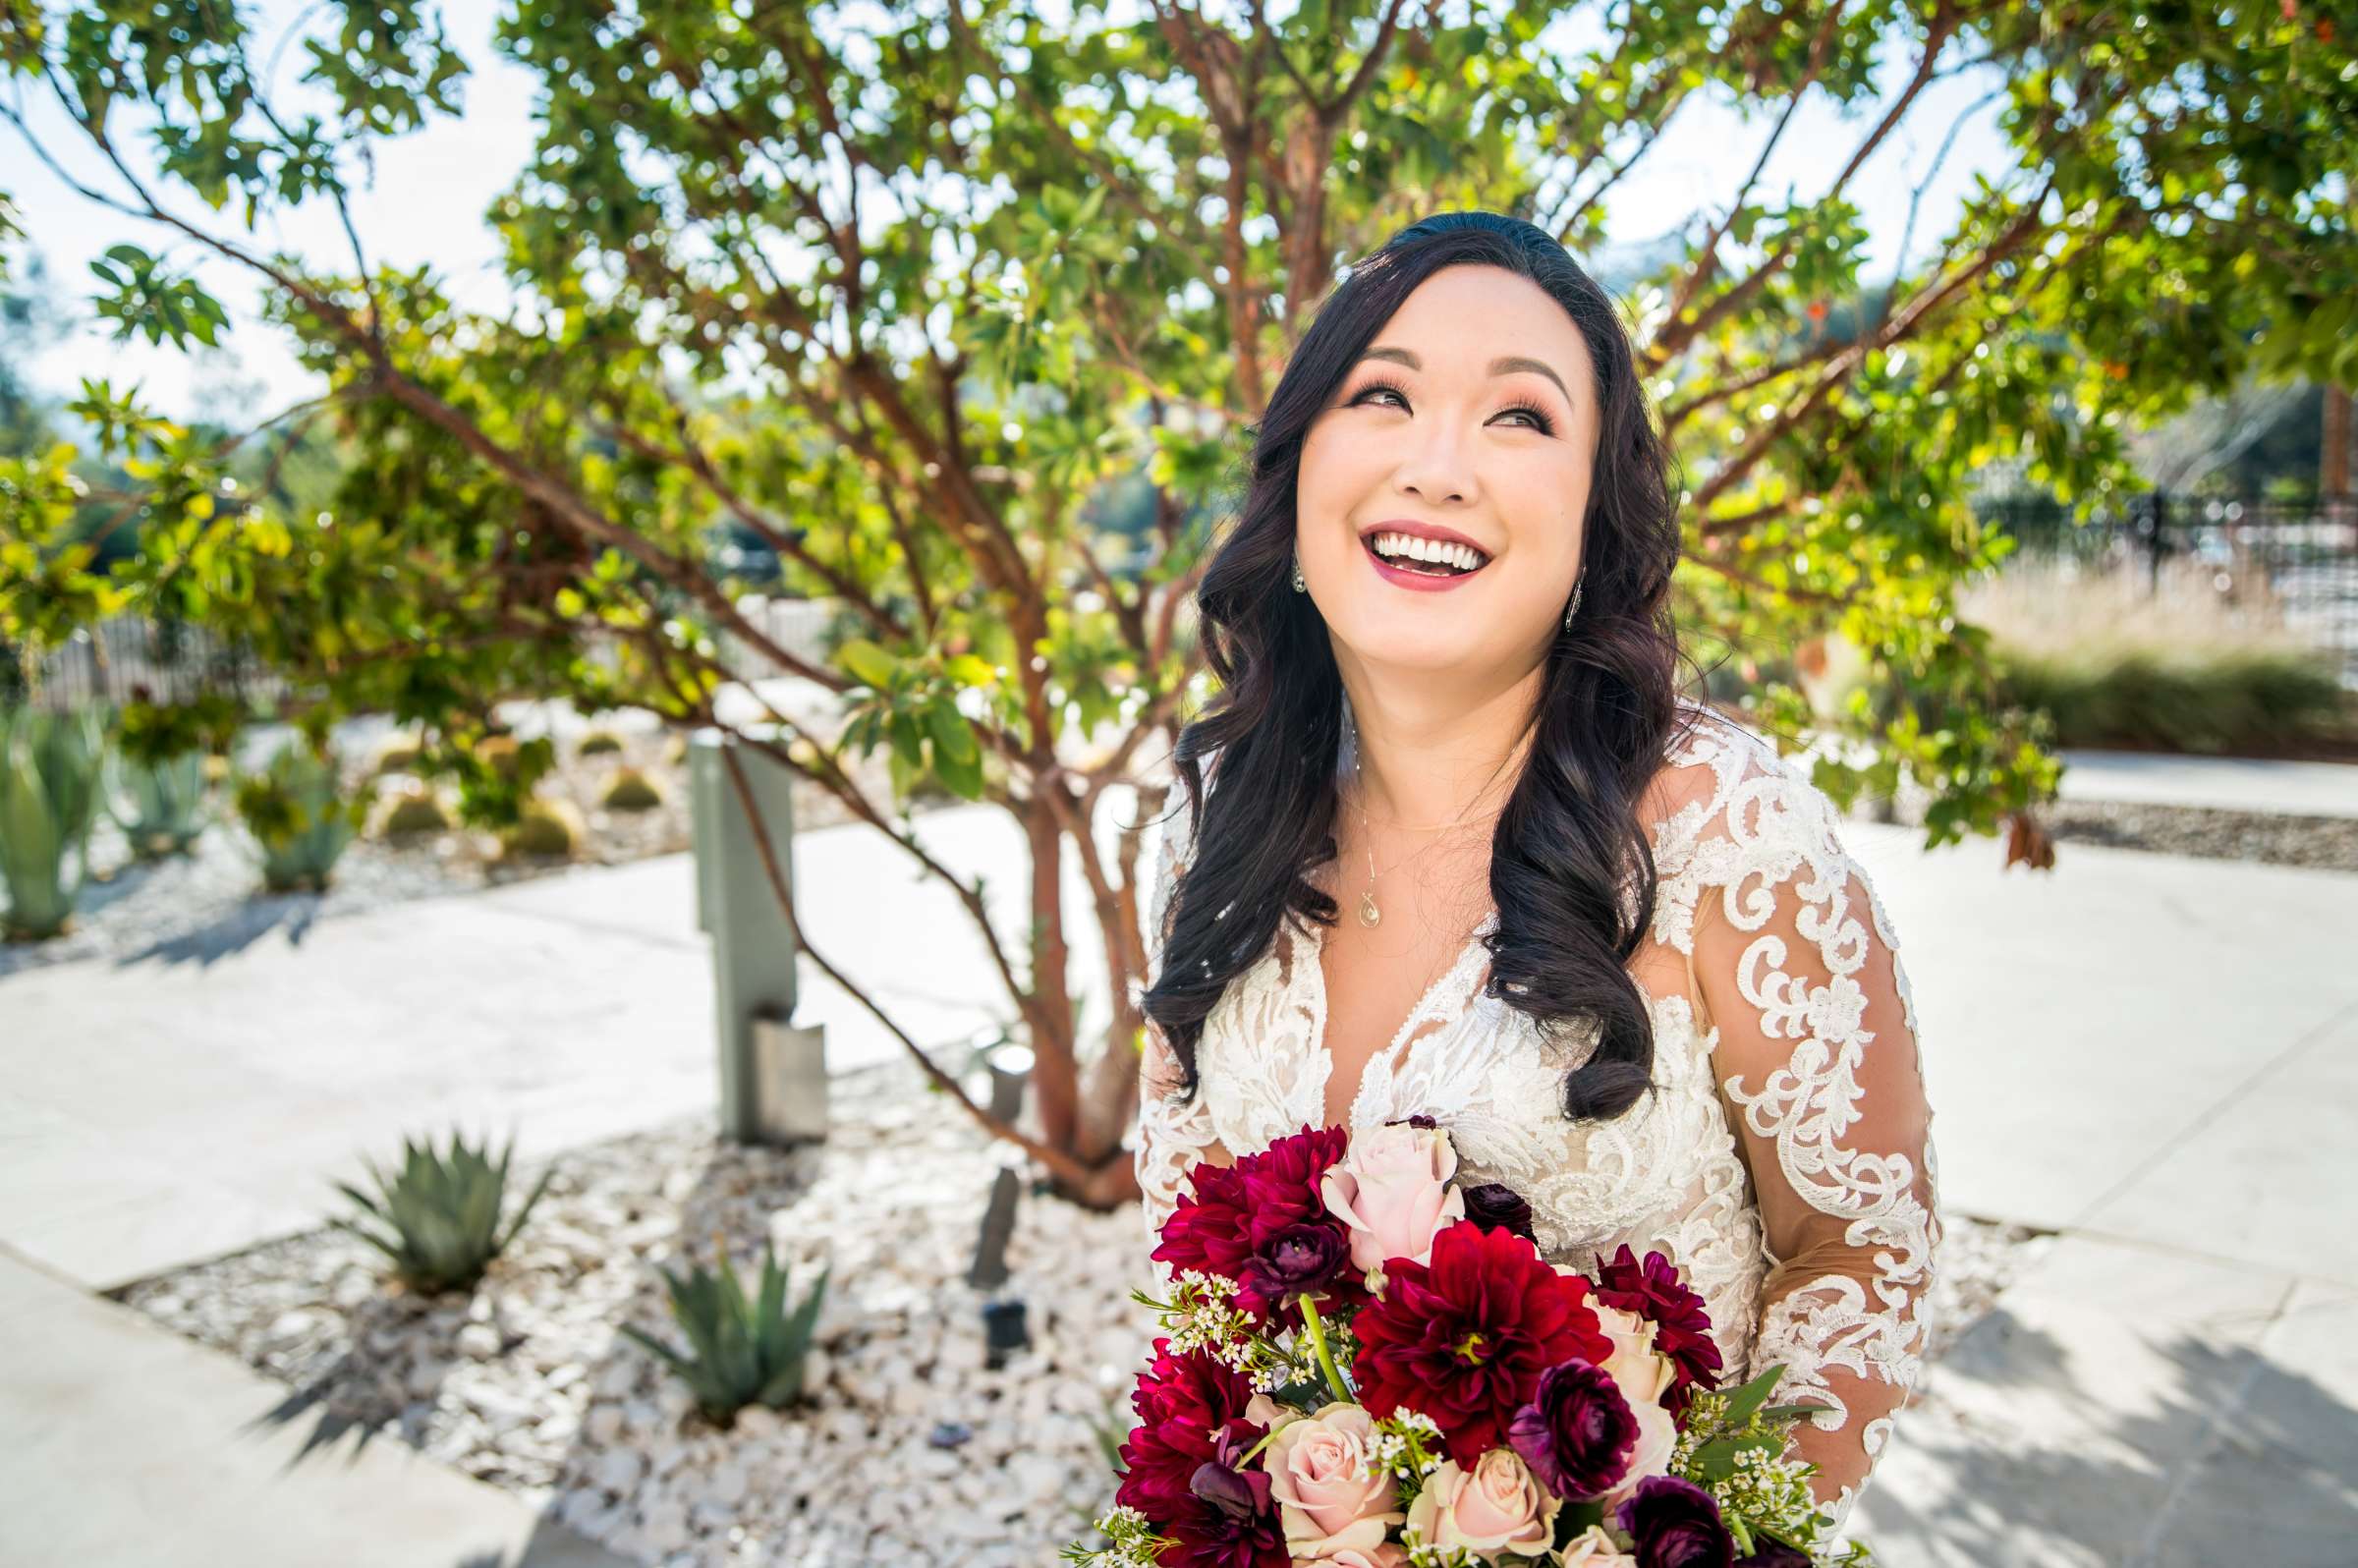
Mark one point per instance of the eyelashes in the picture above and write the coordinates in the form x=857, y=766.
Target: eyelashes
x=1544, y=424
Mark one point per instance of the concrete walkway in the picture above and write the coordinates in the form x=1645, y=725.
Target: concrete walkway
x=128, y=1445
x=2152, y=1055
x=2227, y=783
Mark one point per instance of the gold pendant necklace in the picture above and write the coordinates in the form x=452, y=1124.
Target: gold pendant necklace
x=1369, y=914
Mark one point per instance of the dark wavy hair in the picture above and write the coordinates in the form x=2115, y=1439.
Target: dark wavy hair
x=1572, y=872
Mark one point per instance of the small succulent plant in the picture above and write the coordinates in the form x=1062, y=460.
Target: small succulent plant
x=741, y=1350
x=598, y=742
x=301, y=817
x=631, y=791
x=438, y=1218
x=415, y=814
x=539, y=832
x=400, y=754
x=160, y=804
x=50, y=766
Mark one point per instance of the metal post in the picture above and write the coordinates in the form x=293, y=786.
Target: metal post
x=773, y=1075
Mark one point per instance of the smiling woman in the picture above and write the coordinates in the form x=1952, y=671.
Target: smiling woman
x=1433, y=447
x=1606, y=939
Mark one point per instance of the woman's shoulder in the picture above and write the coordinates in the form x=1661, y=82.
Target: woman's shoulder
x=1707, y=758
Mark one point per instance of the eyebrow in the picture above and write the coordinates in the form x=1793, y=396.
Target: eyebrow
x=1505, y=366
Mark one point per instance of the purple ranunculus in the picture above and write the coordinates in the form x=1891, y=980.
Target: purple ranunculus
x=1675, y=1523
x=1577, y=1432
x=1774, y=1555
x=1300, y=1257
x=1494, y=1206
x=1235, y=1522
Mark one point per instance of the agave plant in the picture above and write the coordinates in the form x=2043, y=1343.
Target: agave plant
x=438, y=1218
x=49, y=792
x=742, y=1351
x=298, y=814
x=159, y=804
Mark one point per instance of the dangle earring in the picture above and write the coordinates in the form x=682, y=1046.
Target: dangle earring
x=1573, y=609
x=1300, y=587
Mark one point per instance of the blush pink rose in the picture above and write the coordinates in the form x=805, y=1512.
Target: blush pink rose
x=1330, y=1496
x=1496, y=1507
x=1391, y=1186
x=1594, y=1548
x=1386, y=1555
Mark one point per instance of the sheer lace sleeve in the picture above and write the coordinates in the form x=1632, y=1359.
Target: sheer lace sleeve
x=1171, y=1135
x=1798, y=967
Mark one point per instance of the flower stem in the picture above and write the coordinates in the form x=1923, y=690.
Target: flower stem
x=1316, y=1331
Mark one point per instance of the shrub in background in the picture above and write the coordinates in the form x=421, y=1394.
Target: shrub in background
x=50, y=766
x=2119, y=659
x=598, y=742
x=438, y=1218
x=297, y=812
x=741, y=1351
x=631, y=791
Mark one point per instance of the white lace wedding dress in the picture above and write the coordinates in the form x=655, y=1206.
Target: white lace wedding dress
x=1783, y=1160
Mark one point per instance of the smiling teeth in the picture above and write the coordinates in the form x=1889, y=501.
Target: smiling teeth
x=1409, y=546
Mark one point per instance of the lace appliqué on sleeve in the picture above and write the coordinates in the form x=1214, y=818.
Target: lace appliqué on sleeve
x=1816, y=1049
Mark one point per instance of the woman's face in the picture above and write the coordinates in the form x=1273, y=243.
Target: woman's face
x=1486, y=434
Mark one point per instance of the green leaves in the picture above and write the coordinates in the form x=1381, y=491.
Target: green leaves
x=151, y=303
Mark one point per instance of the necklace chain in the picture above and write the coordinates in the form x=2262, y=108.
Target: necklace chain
x=1369, y=914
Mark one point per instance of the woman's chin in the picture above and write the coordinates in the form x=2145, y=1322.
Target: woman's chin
x=1428, y=644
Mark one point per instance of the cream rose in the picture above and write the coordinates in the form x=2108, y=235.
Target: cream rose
x=1594, y=1548
x=1643, y=1375
x=1496, y=1507
x=1392, y=1189
x=1330, y=1496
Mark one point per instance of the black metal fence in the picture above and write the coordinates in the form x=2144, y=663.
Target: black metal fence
x=2284, y=563
x=125, y=659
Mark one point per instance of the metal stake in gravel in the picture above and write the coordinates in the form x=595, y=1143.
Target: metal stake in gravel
x=1010, y=1070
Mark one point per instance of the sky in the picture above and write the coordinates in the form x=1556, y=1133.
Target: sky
x=425, y=198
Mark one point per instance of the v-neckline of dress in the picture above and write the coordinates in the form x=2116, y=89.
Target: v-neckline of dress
x=1312, y=962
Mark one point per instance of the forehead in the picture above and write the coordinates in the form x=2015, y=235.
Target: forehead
x=1460, y=319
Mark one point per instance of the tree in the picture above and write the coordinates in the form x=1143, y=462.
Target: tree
x=900, y=299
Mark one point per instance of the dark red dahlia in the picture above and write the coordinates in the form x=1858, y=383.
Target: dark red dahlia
x=1184, y=1404
x=1246, y=1222
x=1682, y=1327
x=1466, y=1337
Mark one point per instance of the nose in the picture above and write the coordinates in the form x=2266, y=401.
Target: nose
x=1433, y=464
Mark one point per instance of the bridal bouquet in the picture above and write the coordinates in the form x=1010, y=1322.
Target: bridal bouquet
x=1369, y=1364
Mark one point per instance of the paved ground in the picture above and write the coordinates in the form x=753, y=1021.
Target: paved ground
x=2152, y=1055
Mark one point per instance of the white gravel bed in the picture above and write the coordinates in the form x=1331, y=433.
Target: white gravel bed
x=912, y=1451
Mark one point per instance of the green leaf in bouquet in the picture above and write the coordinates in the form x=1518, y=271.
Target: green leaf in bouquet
x=1744, y=1401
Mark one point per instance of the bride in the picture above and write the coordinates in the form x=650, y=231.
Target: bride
x=1452, y=845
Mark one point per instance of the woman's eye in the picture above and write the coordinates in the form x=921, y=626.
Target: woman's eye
x=1538, y=418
